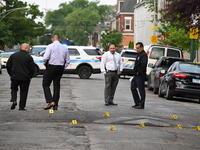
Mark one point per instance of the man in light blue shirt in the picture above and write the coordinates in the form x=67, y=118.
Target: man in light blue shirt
x=56, y=59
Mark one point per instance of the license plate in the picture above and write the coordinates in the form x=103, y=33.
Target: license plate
x=196, y=81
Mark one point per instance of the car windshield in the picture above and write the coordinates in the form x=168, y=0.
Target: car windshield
x=129, y=54
x=5, y=55
x=36, y=50
x=169, y=62
x=193, y=68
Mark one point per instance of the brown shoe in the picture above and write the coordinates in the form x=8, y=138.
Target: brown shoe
x=52, y=104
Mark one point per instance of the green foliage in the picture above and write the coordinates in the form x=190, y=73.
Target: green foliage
x=35, y=41
x=74, y=18
x=131, y=45
x=18, y=25
x=111, y=37
x=176, y=37
x=175, y=21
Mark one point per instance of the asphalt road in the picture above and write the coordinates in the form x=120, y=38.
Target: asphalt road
x=82, y=100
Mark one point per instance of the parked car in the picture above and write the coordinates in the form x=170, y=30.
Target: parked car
x=182, y=80
x=4, y=58
x=36, y=49
x=158, y=70
x=156, y=51
x=128, y=58
x=10, y=50
x=84, y=60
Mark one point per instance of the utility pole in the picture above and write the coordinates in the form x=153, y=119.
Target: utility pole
x=194, y=32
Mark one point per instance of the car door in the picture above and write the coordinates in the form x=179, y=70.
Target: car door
x=75, y=58
x=167, y=78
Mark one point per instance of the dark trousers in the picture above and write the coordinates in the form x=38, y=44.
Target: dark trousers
x=53, y=73
x=111, y=81
x=24, y=86
x=138, y=82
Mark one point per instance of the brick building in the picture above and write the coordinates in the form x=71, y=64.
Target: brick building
x=125, y=20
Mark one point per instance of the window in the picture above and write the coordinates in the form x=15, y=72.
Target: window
x=194, y=68
x=173, y=53
x=92, y=51
x=157, y=52
x=127, y=24
x=129, y=54
x=73, y=52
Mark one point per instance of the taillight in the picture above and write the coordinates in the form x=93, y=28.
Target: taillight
x=99, y=58
x=160, y=75
x=147, y=52
x=179, y=75
x=122, y=59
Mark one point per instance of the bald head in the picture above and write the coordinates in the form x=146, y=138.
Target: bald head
x=25, y=47
x=56, y=37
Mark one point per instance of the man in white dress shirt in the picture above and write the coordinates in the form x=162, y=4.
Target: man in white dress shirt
x=111, y=67
x=56, y=59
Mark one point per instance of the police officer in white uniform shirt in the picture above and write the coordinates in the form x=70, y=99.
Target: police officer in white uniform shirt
x=111, y=67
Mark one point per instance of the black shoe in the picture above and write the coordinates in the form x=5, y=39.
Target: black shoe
x=55, y=107
x=136, y=105
x=106, y=104
x=13, y=105
x=113, y=104
x=22, y=109
x=139, y=107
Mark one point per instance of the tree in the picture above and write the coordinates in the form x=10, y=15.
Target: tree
x=77, y=18
x=19, y=25
x=131, y=45
x=175, y=18
x=180, y=11
x=175, y=37
x=111, y=37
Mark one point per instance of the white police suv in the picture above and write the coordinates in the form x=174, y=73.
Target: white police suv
x=84, y=60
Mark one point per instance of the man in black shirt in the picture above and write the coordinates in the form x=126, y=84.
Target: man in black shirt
x=20, y=67
x=139, y=76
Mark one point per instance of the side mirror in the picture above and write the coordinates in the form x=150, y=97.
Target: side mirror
x=151, y=65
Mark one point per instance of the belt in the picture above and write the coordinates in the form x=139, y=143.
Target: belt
x=112, y=71
x=56, y=65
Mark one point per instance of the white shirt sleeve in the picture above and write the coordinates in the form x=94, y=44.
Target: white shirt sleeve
x=120, y=64
x=103, y=63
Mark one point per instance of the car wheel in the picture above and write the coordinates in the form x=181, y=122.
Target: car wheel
x=148, y=84
x=0, y=71
x=159, y=92
x=169, y=96
x=155, y=90
x=35, y=71
x=84, y=72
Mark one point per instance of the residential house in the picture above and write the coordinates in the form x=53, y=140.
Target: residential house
x=125, y=20
x=143, y=23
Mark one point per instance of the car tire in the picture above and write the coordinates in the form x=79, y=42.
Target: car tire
x=35, y=71
x=155, y=90
x=84, y=72
x=148, y=84
x=159, y=92
x=169, y=96
x=0, y=71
